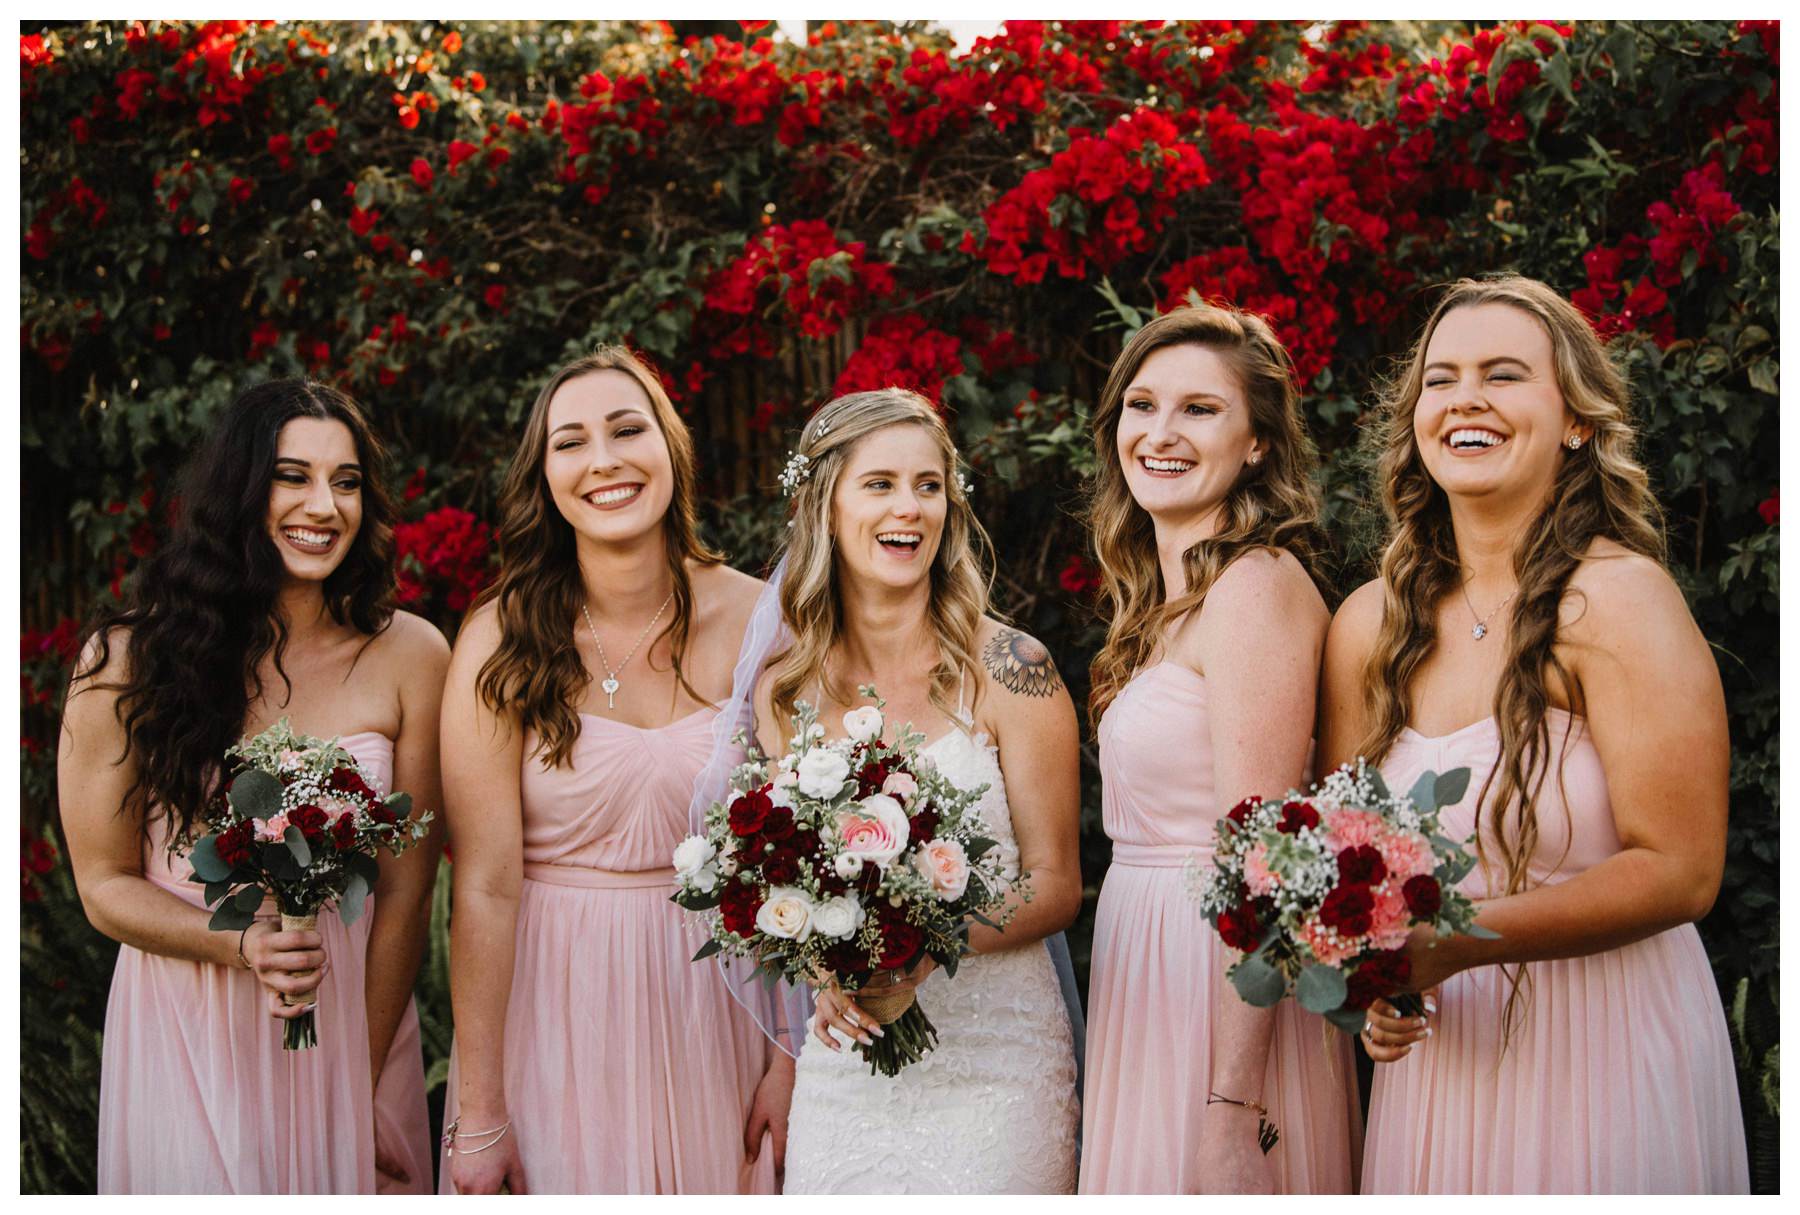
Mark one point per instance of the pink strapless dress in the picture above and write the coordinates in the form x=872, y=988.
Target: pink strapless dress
x=1619, y=1076
x=1151, y=989
x=629, y=1068
x=197, y=1095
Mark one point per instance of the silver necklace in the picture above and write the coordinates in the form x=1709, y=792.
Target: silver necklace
x=1481, y=622
x=610, y=685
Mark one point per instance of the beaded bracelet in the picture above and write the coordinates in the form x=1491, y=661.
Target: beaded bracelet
x=1266, y=1134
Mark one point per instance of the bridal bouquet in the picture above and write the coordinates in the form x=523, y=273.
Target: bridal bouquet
x=297, y=821
x=1319, y=893
x=847, y=861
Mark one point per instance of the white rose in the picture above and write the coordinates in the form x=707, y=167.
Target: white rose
x=864, y=724
x=874, y=829
x=704, y=880
x=787, y=914
x=822, y=773
x=847, y=866
x=693, y=854
x=839, y=917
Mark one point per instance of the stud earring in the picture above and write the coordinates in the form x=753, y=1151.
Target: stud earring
x=1255, y=458
x=1574, y=442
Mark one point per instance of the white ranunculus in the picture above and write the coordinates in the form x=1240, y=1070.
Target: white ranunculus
x=874, y=829
x=822, y=773
x=781, y=793
x=847, y=866
x=693, y=854
x=864, y=724
x=838, y=918
x=787, y=913
x=704, y=880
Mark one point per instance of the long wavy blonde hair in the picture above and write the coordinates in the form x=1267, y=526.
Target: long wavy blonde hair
x=811, y=603
x=536, y=671
x=1275, y=504
x=1600, y=490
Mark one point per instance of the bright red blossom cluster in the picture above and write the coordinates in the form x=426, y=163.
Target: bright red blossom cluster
x=447, y=553
x=820, y=283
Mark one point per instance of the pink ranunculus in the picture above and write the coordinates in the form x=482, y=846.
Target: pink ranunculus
x=273, y=828
x=335, y=807
x=1391, y=920
x=1352, y=828
x=874, y=829
x=900, y=785
x=1256, y=871
x=945, y=865
x=1329, y=948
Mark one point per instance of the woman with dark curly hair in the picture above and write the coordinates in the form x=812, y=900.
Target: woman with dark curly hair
x=272, y=599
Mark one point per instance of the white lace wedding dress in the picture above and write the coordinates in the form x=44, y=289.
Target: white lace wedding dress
x=991, y=1110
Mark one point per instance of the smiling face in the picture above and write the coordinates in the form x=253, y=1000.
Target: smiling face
x=888, y=507
x=1491, y=419
x=606, y=460
x=1184, y=437
x=315, y=498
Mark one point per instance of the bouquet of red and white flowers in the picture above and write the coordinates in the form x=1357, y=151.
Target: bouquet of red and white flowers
x=297, y=821
x=1320, y=892
x=843, y=861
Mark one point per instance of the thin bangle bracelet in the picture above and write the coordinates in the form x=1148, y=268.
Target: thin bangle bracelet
x=241, y=936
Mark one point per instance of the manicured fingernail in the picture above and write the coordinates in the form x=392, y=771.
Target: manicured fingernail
x=876, y=1030
x=1431, y=1006
x=1429, y=1031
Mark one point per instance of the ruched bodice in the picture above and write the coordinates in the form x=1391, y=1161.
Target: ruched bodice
x=1574, y=811
x=620, y=804
x=1157, y=757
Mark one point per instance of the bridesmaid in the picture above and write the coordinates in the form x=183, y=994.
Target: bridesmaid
x=591, y=1055
x=1524, y=626
x=1205, y=520
x=272, y=598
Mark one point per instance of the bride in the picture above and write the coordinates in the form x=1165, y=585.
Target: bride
x=885, y=584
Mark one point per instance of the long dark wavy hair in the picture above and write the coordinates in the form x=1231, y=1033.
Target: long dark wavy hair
x=536, y=671
x=200, y=616
x=1274, y=505
x=1601, y=490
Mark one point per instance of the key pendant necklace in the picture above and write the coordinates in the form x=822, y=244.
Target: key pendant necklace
x=1481, y=622
x=610, y=685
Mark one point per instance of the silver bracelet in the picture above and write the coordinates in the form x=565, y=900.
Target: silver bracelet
x=452, y=1134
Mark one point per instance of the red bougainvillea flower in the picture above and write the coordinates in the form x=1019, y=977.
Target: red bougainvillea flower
x=1770, y=508
x=321, y=141
x=448, y=553
x=460, y=150
x=494, y=297
x=422, y=173
x=902, y=351
x=452, y=43
x=1079, y=576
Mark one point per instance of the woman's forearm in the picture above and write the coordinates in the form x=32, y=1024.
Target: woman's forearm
x=397, y=930
x=482, y=926
x=135, y=911
x=1626, y=898
x=1055, y=902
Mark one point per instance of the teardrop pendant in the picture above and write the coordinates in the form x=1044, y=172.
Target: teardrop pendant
x=1480, y=630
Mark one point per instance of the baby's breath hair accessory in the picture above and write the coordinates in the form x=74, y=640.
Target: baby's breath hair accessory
x=963, y=483
x=798, y=469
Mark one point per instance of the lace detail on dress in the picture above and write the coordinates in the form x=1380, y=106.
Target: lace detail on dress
x=991, y=1110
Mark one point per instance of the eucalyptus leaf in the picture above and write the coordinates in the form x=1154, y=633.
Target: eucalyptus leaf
x=296, y=845
x=228, y=918
x=350, y=903
x=706, y=951
x=205, y=860
x=1321, y=988
x=216, y=891
x=1377, y=782
x=1350, y=1020
x=401, y=804
x=1424, y=791
x=255, y=794
x=1451, y=786
x=1481, y=933
x=1257, y=982
x=248, y=899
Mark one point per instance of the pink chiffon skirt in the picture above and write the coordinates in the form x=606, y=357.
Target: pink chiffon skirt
x=1149, y=1054
x=629, y=1069
x=197, y=1095
x=1618, y=1079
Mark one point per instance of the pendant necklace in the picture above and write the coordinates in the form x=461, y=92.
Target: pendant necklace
x=610, y=685
x=1481, y=622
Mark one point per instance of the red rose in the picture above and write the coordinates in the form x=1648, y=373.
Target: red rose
x=748, y=813
x=900, y=943
x=1295, y=815
x=1361, y=866
x=1238, y=928
x=1349, y=910
x=870, y=778
x=233, y=844
x=1423, y=896
x=1379, y=977
x=923, y=826
x=381, y=812
x=343, y=832
x=738, y=906
x=844, y=959
x=310, y=820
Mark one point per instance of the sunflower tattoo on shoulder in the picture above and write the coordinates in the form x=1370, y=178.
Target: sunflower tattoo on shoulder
x=1020, y=663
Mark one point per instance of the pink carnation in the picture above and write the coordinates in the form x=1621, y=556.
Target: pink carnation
x=273, y=828
x=1329, y=948
x=1353, y=829
x=1391, y=920
x=1256, y=871
x=1406, y=854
